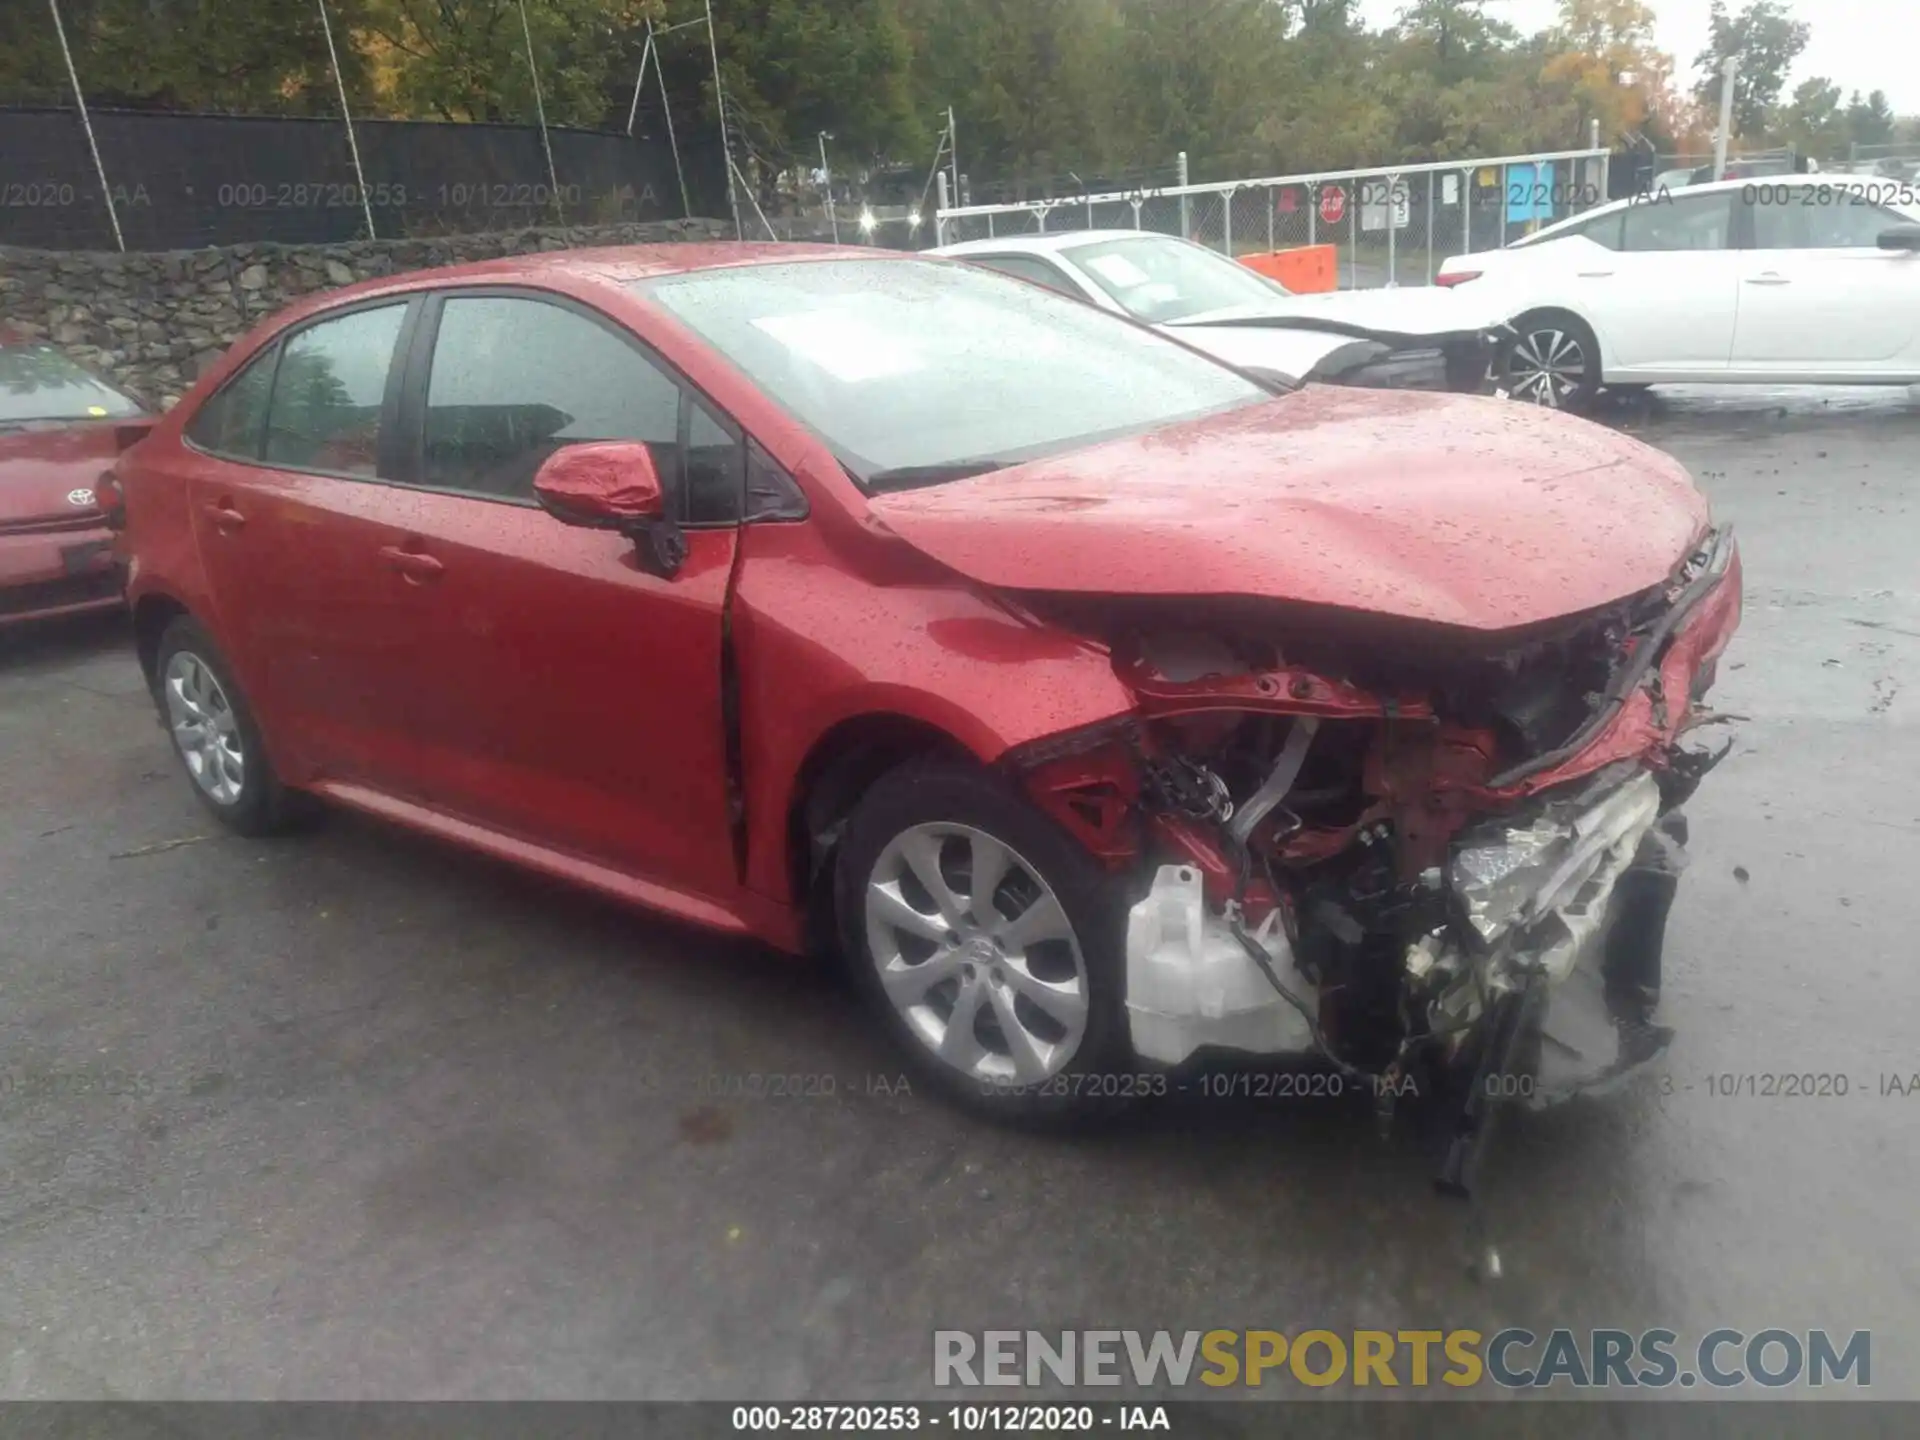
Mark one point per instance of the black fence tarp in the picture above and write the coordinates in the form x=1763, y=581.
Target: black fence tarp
x=182, y=181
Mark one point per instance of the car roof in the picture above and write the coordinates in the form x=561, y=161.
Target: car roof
x=1705, y=187
x=1047, y=244
x=607, y=265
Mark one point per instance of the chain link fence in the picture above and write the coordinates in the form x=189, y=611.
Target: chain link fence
x=1389, y=226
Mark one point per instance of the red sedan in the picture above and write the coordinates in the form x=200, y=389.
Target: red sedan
x=60, y=427
x=1104, y=706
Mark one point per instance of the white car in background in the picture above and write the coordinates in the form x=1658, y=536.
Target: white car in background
x=1785, y=279
x=1421, y=339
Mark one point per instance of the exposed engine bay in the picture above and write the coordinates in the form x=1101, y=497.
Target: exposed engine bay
x=1405, y=858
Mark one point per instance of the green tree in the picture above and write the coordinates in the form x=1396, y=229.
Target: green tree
x=793, y=68
x=248, y=56
x=1870, y=121
x=1199, y=75
x=1028, y=80
x=467, y=59
x=1813, y=122
x=1768, y=40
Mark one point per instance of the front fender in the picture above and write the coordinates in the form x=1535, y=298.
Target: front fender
x=813, y=650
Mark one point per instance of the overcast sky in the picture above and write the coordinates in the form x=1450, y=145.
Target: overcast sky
x=1858, y=44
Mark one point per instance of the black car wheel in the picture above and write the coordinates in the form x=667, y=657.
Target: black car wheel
x=1555, y=362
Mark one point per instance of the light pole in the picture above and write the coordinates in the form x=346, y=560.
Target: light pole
x=1731, y=69
x=826, y=182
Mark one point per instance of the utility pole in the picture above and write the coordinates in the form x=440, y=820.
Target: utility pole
x=953, y=154
x=826, y=183
x=1731, y=69
x=720, y=108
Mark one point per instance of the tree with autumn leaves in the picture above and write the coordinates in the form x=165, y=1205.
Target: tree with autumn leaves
x=1041, y=87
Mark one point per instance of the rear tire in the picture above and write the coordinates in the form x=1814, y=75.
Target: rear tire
x=215, y=735
x=1033, y=968
x=1555, y=362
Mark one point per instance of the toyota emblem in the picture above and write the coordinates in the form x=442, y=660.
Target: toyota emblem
x=80, y=497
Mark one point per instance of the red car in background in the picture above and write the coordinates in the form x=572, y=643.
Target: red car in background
x=1105, y=707
x=60, y=427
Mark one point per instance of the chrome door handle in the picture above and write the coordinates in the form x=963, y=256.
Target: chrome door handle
x=1772, y=277
x=1595, y=274
x=417, y=566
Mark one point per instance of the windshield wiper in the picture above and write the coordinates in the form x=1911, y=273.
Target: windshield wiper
x=908, y=477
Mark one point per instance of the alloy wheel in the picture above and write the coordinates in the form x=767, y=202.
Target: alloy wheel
x=205, y=729
x=976, y=954
x=1548, y=367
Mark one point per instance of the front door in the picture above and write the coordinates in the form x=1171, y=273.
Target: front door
x=1817, y=294
x=554, y=689
x=1665, y=302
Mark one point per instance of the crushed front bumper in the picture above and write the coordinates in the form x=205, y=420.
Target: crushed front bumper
x=1568, y=904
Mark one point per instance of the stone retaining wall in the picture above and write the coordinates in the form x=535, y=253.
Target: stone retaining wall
x=151, y=322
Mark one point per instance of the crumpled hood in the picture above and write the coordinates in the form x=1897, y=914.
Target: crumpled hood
x=1411, y=311
x=1459, y=510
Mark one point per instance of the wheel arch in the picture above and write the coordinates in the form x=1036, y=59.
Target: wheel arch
x=843, y=762
x=152, y=613
x=1571, y=312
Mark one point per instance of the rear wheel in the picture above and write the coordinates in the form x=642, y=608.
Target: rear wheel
x=1555, y=362
x=214, y=733
x=988, y=943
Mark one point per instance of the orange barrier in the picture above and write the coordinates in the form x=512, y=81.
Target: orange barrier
x=1308, y=270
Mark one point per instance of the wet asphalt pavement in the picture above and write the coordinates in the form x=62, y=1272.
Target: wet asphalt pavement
x=355, y=1115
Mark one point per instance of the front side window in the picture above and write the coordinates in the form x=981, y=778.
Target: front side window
x=514, y=380
x=328, y=392
x=918, y=371
x=716, y=470
x=234, y=422
x=1162, y=281
x=1812, y=217
x=38, y=384
x=1693, y=222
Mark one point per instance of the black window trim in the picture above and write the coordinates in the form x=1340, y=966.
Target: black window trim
x=267, y=355
x=412, y=411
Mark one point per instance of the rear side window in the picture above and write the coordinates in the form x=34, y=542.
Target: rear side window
x=514, y=380
x=1602, y=229
x=234, y=422
x=1693, y=222
x=329, y=390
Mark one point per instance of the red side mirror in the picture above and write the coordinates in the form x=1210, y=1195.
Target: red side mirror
x=612, y=485
x=609, y=485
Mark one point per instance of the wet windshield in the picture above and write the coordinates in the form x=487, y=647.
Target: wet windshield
x=1161, y=280
x=38, y=383
x=916, y=372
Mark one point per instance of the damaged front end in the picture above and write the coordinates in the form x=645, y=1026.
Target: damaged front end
x=1434, y=865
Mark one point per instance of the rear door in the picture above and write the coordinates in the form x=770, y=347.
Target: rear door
x=1818, y=297
x=1664, y=301
x=547, y=686
x=291, y=444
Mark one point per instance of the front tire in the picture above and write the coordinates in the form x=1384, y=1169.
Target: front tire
x=1555, y=362
x=215, y=735
x=988, y=943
